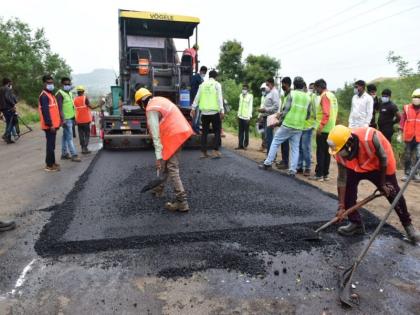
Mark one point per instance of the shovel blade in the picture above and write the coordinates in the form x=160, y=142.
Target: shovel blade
x=345, y=290
x=152, y=184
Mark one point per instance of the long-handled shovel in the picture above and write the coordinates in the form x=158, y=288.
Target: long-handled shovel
x=346, y=277
x=155, y=182
x=316, y=236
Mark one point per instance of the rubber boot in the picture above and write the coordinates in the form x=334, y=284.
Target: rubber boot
x=7, y=225
x=412, y=234
x=180, y=204
x=158, y=191
x=351, y=229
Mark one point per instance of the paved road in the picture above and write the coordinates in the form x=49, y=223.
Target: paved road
x=106, y=249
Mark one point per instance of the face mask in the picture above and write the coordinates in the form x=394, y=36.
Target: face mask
x=416, y=101
x=202, y=75
x=50, y=87
x=263, y=93
x=385, y=99
x=244, y=92
x=10, y=86
x=355, y=91
x=310, y=90
x=267, y=89
x=67, y=88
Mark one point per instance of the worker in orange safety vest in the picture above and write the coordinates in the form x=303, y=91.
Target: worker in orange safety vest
x=169, y=130
x=365, y=154
x=83, y=116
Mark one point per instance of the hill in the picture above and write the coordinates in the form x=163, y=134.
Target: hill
x=97, y=82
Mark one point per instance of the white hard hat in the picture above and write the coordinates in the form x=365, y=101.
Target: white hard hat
x=263, y=86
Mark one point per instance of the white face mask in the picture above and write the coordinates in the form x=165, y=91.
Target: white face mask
x=416, y=101
x=310, y=90
x=355, y=91
x=385, y=99
x=244, y=92
x=263, y=93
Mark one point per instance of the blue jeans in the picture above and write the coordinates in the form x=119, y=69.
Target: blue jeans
x=67, y=144
x=196, y=121
x=305, y=150
x=8, y=116
x=283, y=134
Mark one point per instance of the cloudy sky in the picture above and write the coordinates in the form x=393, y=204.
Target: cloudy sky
x=336, y=40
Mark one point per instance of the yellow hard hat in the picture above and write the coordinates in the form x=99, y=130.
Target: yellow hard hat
x=337, y=138
x=141, y=93
x=80, y=88
x=416, y=93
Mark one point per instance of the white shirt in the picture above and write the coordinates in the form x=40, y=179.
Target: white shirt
x=361, y=111
x=219, y=99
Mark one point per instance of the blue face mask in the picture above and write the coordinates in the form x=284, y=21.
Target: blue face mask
x=50, y=87
x=385, y=99
x=67, y=88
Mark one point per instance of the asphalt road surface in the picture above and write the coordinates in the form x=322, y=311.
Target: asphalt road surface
x=107, y=249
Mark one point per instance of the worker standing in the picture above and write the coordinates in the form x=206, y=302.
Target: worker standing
x=372, y=90
x=271, y=106
x=196, y=81
x=295, y=113
x=7, y=108
x=261, y=118
x=244, y=117
x=388, y=115
x=67, y=112
x=169, y=130
x=50, y=119
x=305, y=147
x=365, y=154
x=286, y=86
x=361, y=106
x=83, y=116
x=209, y=101
x=410, y=126
x=327, y=111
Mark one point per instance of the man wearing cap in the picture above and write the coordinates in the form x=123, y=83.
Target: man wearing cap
x=169, y=130
x=410, y=126
x=83, y=117
x=365, y=154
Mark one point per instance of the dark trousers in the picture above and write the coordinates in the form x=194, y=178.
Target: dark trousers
x=9, y=117
x=50, y=154
x=323, y=157
x=84, y=134
x=269, y=134
x=387, y=132
x=243, y=133
x=411, y=148
x=353, y=180
x=216, y=125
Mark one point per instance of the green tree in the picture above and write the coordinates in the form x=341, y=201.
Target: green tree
x=257, y=69
x=403, y=69
x=230, y=61
x=25, y=56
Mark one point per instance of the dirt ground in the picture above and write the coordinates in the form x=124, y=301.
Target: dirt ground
x=378, y=206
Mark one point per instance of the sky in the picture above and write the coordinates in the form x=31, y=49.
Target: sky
x=337, y=40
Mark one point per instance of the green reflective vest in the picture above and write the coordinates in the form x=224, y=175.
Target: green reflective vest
x=68, y=105
x=208, y=97
x=296, y=116
x=245, y=106
x=311, y=121
x=333, y=112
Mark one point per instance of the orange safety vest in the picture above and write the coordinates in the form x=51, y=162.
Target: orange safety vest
x=412, y=123
x=173, y=127
x=54, y=111
x=366, y=159
x=83, y=114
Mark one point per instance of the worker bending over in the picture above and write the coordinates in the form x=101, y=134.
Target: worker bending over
x=365, y=154
x=169, y=130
